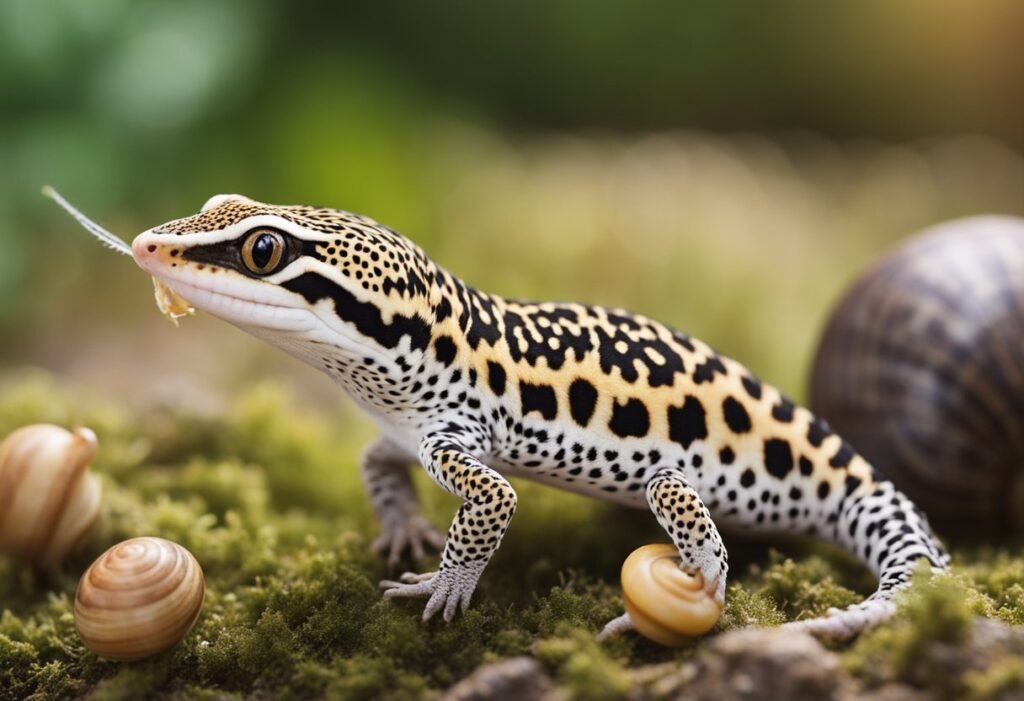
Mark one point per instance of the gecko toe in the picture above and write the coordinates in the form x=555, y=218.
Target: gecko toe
x=396, y=589
x=412, y=535
x=446, y=592
x=451, y=606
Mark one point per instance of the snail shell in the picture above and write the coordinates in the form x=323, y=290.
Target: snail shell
x=921, y=367
x=666, y=604
x=139, y=598
x=48, y=499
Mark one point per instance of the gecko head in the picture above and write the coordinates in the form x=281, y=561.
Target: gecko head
x=299, y=276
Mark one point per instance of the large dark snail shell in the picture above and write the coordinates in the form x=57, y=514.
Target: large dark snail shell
x=921, y=368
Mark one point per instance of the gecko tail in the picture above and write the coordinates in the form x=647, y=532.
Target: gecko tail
x=887, y=532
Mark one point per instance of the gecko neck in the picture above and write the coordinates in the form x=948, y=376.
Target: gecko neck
x=383, y=350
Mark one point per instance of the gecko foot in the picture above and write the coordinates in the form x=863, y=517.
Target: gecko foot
x=413, y=533
x=843, y=624
x=447, y=590
x=616, y=626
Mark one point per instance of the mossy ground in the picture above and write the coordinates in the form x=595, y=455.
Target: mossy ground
x=269, y=500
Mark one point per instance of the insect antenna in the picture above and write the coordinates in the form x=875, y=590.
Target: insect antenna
x=106, y=238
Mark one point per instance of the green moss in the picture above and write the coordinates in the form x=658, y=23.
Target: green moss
x=270, y=502
x=1003, y=680
x=745, y=607
x=804, y=590
x=935, y=610
x=579, y=663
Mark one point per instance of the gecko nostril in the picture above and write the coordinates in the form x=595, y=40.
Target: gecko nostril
x=151, y=248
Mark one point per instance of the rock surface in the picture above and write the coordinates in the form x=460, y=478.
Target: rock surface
x=515, y=679
x=768, y=665
x=764, y=664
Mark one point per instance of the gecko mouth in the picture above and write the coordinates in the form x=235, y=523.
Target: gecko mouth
x=243, y=311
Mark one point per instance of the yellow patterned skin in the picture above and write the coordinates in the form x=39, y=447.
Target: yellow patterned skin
x=476, y=387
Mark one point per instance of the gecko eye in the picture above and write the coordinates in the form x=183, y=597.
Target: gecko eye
x=262, y=251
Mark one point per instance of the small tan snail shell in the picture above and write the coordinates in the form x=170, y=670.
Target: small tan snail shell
x=666, y=604
x=139, y=598
x=921, y=368
x=48, y=499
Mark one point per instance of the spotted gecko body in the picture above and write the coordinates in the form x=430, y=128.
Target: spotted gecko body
x=478, y=388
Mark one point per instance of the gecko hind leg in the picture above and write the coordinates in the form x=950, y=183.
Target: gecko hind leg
x=385, y=471
x=885, y=528
x=680, y=511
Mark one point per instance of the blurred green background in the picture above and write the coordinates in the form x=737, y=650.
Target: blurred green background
x=726, y=167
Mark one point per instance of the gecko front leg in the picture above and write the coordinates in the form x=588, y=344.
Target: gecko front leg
x=385, y=469
x=680, y=511
x=475, y=533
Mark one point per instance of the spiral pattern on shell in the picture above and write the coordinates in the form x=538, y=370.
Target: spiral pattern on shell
x=139, y=598
x=48, y=499
x=666, y=604
x=921, y=367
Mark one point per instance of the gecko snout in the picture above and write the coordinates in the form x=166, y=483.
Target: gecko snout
x=146, y=251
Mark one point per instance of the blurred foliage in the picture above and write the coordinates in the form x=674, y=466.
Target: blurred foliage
x=292, y=607
x=438, y=119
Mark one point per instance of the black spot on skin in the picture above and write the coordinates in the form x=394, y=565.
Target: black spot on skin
x=687, y=423
x=582, y=400
x=783, y=411
x=753, y=387
x=843, y=456
x=817, y=432
x=442, y=311
x=851, y=484
x=658, y=374
x=630, y=419
x=706, y=371
x=445, y=350
x=736, y=416
x=683, y=340
x=726, y=455
x=570, y=344
x=481, y=328
x=365, y=316
x=496, y=377
x=748, y=478
x=778, y=457
x=823, y=490
x=806, y=466
x=539, y=398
